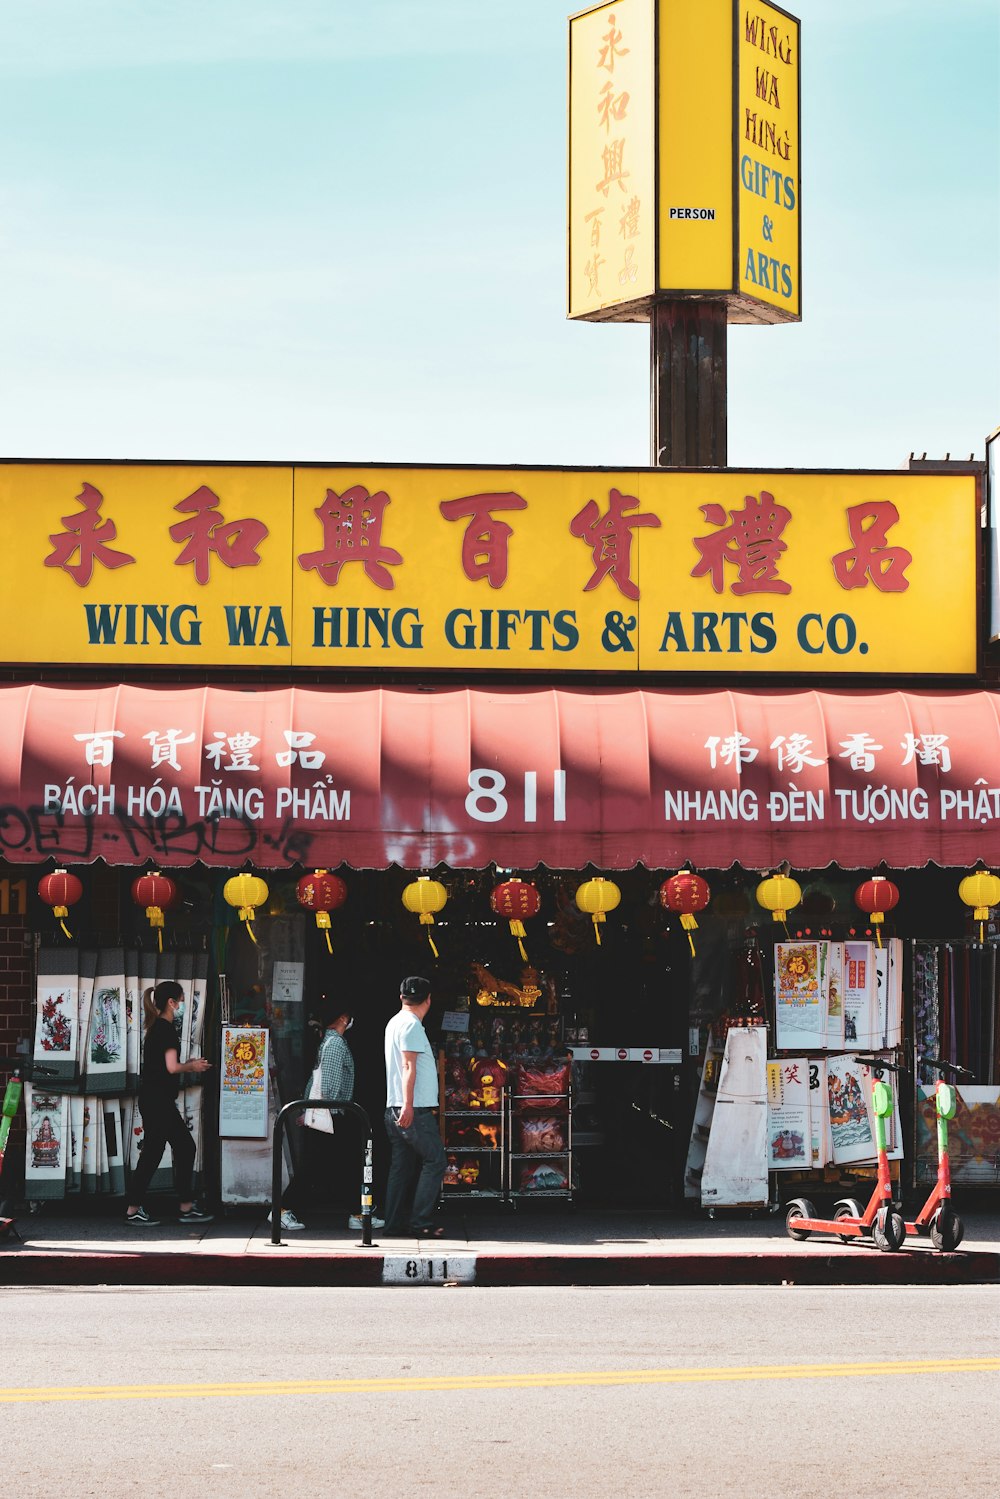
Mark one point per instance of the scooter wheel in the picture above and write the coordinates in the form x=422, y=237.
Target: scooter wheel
x=848, y=1207
x=890, y=1233
x=800, y=1207
x=947, y=1230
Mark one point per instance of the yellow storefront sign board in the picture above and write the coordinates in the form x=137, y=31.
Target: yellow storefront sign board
x=473, y=569
x=684, y=159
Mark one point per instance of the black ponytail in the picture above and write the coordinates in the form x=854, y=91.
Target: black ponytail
x=155, y=1001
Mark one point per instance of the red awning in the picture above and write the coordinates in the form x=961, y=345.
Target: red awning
x=565, y=777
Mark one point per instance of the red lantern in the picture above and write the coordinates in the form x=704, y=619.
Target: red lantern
x=157, y=892
x=875, y=897
x=321, y=892
x=685, y=893
x=518, y=900
x=60, y=890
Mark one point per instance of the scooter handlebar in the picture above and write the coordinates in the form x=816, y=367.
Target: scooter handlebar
x=942, y=1066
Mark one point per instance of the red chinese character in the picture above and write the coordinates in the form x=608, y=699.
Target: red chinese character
x=484, y=545
x=234, y=543
x=352, y=532
x=87, y=534
x=610, y=539
x=869, y=558
x=792, y=1073
x=751, y=542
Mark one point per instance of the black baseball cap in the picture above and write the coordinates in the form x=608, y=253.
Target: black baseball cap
x=415, y=990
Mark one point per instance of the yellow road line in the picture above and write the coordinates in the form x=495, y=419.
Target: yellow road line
x=30, y=1394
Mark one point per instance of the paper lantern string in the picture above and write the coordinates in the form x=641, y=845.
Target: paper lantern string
x=597, y=917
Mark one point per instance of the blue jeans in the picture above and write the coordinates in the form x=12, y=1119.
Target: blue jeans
x=416, y=1171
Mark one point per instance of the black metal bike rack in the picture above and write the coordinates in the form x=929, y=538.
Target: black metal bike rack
x=336, y=1106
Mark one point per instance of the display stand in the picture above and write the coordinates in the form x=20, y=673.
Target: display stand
x=463, y=1159
x=523, y=1166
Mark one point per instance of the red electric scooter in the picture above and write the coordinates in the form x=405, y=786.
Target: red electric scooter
x=937, y=1218
x=881, y=1219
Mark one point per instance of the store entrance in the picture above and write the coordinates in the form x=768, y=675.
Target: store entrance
x=629, y=993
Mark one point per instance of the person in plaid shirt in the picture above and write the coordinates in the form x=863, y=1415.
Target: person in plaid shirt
x=337, y=1075
x=335, y=1059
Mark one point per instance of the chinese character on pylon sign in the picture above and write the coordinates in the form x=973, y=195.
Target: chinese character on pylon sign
x=484, y=545
x=610, y=539
x=869, y=558
x=87, y=534
x=611, y=106
x=611, y=49
x=234, y=543
x=751, y=542
x=352, y=532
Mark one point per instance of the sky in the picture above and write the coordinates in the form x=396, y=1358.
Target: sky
x=321, y=231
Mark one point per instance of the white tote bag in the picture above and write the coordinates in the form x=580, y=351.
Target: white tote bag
x=320, y=1119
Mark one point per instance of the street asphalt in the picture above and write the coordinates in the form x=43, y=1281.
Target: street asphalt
x=530, y=1393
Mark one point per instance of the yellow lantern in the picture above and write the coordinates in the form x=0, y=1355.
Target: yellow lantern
x=596, y=897
x=778, y=894
x=247, y=892
x=980, y=890
x=424, y=897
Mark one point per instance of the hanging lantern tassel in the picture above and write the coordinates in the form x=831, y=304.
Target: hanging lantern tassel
x=155, y=917
x=690, y=925
x=59, y=912
x=323, y=922
x=427, y=920
x=247, y=914
x=517, y=930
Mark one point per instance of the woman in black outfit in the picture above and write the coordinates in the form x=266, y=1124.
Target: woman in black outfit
x=158, y=1089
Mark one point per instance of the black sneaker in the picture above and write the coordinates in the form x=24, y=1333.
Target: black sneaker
x=141, y=1219
x=195, y=1215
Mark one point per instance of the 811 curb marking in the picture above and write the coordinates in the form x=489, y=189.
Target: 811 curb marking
x=418, y=1270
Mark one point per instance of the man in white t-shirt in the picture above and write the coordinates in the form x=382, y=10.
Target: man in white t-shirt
x=416, y=1170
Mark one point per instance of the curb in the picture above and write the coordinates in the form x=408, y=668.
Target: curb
x=34, y=1268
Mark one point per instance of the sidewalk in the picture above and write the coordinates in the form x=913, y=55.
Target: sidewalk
x=535, y=1244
